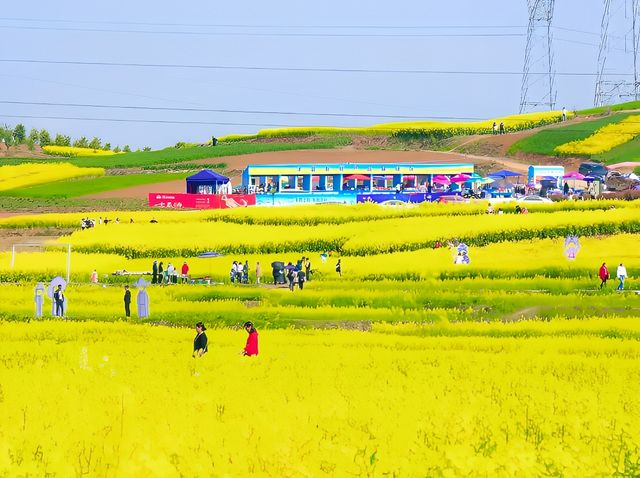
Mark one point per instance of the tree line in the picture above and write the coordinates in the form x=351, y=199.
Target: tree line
x=18, y=135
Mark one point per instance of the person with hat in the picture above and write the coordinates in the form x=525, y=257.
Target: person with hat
x=251, y=348
x=200, y=342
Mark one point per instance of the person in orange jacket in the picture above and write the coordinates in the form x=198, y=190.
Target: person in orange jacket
x=252, y=341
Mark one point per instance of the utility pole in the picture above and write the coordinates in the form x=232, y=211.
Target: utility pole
x=537, y=89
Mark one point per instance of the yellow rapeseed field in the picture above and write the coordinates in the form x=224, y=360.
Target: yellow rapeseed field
x=72, y=151
x=605, y=139
x=513, y=122
x=12, y=177
x=113, y=399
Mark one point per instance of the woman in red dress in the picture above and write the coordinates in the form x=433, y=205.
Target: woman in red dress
x=252, y=341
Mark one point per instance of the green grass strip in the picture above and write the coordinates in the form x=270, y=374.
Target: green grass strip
x=83, y=187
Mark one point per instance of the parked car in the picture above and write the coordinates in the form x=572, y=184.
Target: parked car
x=595, y=170
x=453, y=198
x=535, y=199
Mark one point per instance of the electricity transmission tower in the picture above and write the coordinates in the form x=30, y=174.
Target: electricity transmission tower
x=538, y=88
x=618, y=16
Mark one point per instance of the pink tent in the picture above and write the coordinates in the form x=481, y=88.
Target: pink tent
x=441, y=179
x=460, y=178
x=361, y=177
x=573, y=175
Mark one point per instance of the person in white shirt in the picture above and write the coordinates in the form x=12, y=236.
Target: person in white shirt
x=564, y=114
x=621, y=273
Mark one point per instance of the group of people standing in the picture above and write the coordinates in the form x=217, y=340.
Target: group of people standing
x=239, y=273
x=170, y=274
x=201, y=342
x=621, y=275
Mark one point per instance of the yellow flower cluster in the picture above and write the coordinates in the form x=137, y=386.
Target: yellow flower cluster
x=72, y=151
x=605, y=139
x=29, y=174
x=514, y=122
x=91, y=399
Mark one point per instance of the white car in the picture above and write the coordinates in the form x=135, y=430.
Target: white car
x=534, y=200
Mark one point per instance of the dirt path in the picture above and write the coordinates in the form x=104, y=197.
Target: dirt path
x=38, y=235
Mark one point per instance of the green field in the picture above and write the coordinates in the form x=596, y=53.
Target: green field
x=626, y=152
x=630, y=105
x=545, y=141
x=172, y=155
x=85, y=186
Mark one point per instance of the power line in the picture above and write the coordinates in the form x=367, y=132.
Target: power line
x=247, y=25
x=290, y=69
x=264, y=34
x=212, y=110
x=130, y=120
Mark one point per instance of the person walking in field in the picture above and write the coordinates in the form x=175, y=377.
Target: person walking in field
x=307, y=269
x=258, y=273
x=185, y=272
x=127, y=301
x=94, y=277
x=154, y=272
x=339, y=267
x=564, y=114
x=200, y=342
x=495, y=128
x=621, y=273
x=251, y=348
x=603, y=273
x=58, y=297
x=501, y=127
x=301, y=279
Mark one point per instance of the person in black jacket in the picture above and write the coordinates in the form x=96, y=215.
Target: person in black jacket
x=200, y=342
x=127, y=301
x=154, y=275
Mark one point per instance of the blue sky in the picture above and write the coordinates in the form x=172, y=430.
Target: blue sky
x=46, y=32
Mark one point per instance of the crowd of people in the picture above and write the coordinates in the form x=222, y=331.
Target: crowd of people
x=169, y=275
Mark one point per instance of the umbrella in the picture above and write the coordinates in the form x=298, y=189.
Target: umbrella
x=441, y=179
x=409, y=176
x=362, y=177
x=504, y=173
x=290, y=267
x=389, y=176
x=573, y=175
x=208, y=254
x=460, y=178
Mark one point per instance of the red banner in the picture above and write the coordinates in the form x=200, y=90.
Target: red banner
x=200, y=201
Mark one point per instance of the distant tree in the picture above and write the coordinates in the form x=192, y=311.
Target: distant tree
x=34, y=136
x=19, y=133
x=30, y=144
x=146, y=148
x=62, y=140
x=44, y=137
x=95, y=143
x=126, y=148
x=116, y=149
x=81, y=142
x=107, y=147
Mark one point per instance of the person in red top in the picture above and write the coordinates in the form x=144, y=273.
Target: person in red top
x=603, y=273
x=252, y=341
x=185, y=272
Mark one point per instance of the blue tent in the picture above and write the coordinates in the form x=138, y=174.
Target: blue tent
x=504, y=173
x=205, y=182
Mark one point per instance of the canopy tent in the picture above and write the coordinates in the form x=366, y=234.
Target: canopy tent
x=441, y=179
x=205, y=182
x=362, y=177
x=460, y=178
x=505, y=173
x=573, y=175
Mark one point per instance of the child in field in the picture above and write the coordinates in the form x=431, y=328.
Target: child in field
x=251, y=348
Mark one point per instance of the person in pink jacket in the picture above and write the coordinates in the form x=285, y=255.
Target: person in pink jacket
x=252, y=341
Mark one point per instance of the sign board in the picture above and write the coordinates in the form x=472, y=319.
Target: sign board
x=200, y=201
